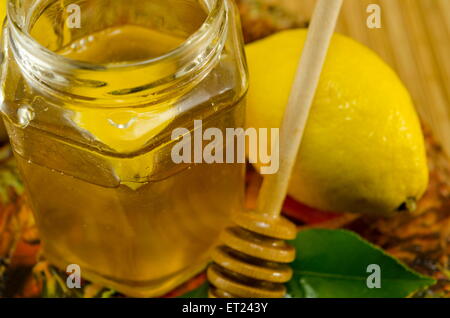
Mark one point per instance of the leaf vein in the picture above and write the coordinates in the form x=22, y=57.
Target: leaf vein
x=343, y=277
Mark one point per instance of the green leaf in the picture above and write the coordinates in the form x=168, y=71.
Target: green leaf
x=333, y=264
x=199, y=292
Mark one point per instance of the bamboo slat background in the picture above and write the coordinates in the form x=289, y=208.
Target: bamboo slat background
x=414, y=40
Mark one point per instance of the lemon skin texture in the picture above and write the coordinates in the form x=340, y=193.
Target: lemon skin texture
x=363, y=148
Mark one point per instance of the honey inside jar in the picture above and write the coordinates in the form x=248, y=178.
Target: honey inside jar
x=125, y=43
x=93, y=141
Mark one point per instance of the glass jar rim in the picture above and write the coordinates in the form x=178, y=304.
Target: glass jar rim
x=196, y=37
x=55, y=75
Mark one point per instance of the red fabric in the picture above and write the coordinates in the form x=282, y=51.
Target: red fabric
x=300, y=212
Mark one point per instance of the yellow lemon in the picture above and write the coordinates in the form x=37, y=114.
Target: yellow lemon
x=2, y=9
x=363, y=148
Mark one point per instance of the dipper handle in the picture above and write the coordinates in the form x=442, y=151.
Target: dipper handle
x=323, y=23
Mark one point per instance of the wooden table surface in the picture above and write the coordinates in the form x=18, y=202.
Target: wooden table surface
x=414, y=39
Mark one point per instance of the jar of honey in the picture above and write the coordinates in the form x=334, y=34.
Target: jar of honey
x=91, y=93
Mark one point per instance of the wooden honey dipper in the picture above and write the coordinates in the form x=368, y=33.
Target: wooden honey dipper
x=253, y=262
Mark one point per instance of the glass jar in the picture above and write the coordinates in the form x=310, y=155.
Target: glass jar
x=90, y=119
